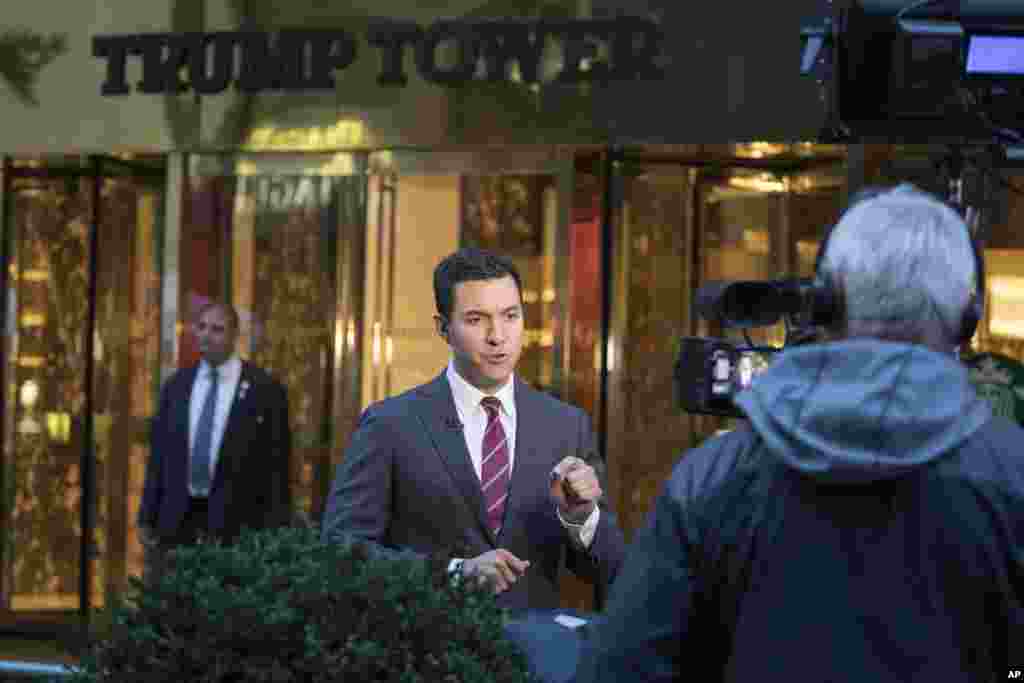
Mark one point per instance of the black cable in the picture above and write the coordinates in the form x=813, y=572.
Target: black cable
x=1002, y=135
x=913, y=6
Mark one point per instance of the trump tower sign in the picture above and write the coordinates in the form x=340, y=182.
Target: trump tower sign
x=623, y=48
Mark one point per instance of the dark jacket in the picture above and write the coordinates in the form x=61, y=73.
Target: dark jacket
x=407, y=487
x=866, y=525
x=251, y=487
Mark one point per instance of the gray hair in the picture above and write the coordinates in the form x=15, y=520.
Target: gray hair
x=904, y=263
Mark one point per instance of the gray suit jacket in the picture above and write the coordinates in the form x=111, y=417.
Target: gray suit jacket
x=407, y=486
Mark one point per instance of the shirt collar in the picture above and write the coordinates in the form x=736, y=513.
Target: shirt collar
x=232, y=367
x=467, y=397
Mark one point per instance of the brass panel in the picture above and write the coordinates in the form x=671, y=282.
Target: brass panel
x=473, y=160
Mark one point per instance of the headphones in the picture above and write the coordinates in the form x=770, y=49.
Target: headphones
x=975, y=310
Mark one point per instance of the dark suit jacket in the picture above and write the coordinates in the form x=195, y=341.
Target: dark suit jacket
x=407, y=486
x=250, y=485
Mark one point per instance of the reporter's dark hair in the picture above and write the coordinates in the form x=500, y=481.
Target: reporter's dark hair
x=466, y=265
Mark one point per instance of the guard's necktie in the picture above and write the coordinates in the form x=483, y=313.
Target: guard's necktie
x=494, y=468
x=200, y=470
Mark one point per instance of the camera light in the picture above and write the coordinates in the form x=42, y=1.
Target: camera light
x=721, y=389
x=746, y=371
x=722, y=368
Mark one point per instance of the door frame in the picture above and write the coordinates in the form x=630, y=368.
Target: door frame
x=61, y=623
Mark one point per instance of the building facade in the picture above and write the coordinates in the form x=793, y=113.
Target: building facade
x=313, y=161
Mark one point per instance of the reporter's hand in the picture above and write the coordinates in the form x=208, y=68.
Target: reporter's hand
x=575, y=489
x=499, y=568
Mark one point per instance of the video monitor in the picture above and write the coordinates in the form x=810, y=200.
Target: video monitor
x=995, y=56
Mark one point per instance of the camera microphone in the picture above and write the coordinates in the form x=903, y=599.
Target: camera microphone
x=764, y=303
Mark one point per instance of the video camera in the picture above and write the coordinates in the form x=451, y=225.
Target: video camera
x=919, y=70
x=710, y=372
x=931, y=71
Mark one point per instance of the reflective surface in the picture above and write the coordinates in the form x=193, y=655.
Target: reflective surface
x=330, y=258
x=516, y=215
x=126, y=376
x=274, y=235
x=46, y=391
x=52, y=213
x=653, y=286
x=759, y=225
x=679, y=223
x=424, y=206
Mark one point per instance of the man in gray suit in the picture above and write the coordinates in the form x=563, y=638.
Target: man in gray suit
x=476, y=463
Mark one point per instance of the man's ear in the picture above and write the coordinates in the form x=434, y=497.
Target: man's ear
x=441, y=324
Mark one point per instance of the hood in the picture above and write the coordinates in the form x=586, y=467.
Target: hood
x=862, y=410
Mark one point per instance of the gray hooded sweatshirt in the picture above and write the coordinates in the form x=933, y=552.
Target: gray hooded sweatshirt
x=863, y=410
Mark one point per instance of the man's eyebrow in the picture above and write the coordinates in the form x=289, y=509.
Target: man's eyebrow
x=476, y=311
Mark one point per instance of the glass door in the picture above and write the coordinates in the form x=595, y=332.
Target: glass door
x=282, y=237
x=424, y=206
x=677, y=218
x=81, y=251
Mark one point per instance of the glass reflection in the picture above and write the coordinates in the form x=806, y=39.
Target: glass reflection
x=51, y=217
x=516, y=215
x=49, y=233
x=126, y=380
x=282, y=229
x=653, y=285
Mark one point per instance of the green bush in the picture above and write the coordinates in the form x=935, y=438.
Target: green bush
x=281, y=606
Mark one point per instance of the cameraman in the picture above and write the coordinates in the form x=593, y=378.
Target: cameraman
x=868, y=523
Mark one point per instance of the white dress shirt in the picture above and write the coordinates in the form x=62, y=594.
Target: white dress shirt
x=474, y=424
x=474, y=417
x=229, y=372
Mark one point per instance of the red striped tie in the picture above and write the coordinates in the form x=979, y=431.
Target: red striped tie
x=494, y=468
